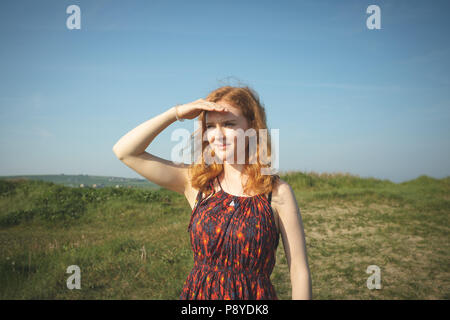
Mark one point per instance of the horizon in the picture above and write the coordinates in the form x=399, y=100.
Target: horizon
x=281, y=173
x=371, y=103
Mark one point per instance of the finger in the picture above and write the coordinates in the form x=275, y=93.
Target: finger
x=217, y=107
x=211, y=104
x=220, y=107
x=206, y=107
x=211, y=107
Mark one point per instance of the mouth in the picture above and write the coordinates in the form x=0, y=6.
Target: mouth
x=221, y=146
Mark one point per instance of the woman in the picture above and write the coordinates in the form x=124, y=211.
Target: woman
x=238, y=210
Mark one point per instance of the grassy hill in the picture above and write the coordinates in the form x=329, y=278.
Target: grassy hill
x=133, y=243
x=87, y=180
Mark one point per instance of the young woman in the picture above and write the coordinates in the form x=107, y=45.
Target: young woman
x=238, y=210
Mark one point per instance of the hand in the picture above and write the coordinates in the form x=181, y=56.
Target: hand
x=193, y=109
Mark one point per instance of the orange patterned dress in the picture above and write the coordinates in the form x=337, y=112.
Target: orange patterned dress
x=234, y=241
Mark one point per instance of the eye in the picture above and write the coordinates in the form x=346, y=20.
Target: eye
x=209, y=126
x=229, y=124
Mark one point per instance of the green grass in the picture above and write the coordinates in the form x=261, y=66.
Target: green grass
x=88, y=181
x=133, y=244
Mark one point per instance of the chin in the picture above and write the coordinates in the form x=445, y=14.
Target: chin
x=222, y=155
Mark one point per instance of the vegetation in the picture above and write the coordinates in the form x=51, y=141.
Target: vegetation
x=87, y=181
x=133, y=243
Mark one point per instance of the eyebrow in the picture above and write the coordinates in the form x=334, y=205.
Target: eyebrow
x=222, y=121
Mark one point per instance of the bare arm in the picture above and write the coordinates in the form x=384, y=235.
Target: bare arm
x=293, y=236
x=130, y=149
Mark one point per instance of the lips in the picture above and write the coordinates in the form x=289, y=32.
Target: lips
x=221, y=146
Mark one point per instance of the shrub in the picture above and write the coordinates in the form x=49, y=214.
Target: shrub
x=57, y=203
x=7, y=188
x=61, y=203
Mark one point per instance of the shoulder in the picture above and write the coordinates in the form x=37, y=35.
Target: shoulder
x=193, y=194
x=281, y=190
x=283, y=197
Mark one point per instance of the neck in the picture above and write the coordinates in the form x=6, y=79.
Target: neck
x=232, y=171
x=232, y=177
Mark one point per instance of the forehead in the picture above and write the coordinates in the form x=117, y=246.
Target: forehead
x=233, y=113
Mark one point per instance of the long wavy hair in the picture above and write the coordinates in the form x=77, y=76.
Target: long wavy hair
x=247, y=100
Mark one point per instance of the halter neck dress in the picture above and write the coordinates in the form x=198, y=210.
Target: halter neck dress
x=234, y=241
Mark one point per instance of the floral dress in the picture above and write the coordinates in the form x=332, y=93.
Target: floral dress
x=234, y=241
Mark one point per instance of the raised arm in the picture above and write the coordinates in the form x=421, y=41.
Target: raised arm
x=130, y=149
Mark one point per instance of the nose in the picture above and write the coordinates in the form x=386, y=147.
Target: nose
x=218, y=133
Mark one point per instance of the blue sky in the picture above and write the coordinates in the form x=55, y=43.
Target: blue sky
x=345, y=98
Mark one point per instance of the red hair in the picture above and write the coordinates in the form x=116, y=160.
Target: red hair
x=247, y=100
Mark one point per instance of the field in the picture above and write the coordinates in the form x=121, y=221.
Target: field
x=133, y=243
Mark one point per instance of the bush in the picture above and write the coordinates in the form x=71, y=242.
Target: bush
x=7, y=188
x=61, y=203
x=18, y=216
x=52, y=203
x=55, y=203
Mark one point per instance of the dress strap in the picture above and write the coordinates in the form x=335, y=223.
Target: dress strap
x=199, y=197
x=219, y=183
x=197, y=202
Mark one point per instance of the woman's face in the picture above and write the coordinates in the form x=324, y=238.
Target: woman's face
x=222, y=130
